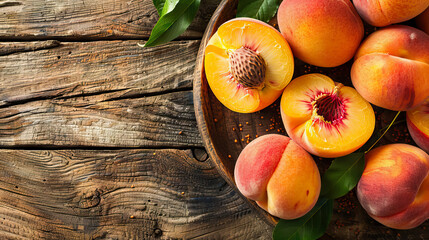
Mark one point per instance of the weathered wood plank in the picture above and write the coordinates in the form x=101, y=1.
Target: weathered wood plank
x=165, y=120
x=30, y=71
x=87, y=19
x=119, y=194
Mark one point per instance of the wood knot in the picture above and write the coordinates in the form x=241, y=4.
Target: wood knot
x=247, y=67
x=90, y=199
x=157, y=232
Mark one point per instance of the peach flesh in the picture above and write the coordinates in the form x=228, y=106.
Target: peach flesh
x=394, y=187
x=279, y=175
x=418, y=125
x=257, y=40
x=326, y=118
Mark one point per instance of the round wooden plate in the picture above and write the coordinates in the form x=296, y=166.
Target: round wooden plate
x=224, y=132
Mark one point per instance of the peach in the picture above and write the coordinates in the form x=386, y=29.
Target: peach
x=418, y=124
x=247, y=64
x=391, y=68
x=394, y=187
x=279, y=175
x=381, y=13
x=324, y=33
x=326, y=118
x=422, y=21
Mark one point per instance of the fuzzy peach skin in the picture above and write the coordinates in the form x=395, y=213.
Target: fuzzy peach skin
x=325, y=117
x=324, y=33
x=279, y=175
x=394, y=187
x=391, y=68
x=381, y=13
x=422, y=21
x=418, y=124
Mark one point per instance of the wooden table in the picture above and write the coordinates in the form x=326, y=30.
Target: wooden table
x=98, y=136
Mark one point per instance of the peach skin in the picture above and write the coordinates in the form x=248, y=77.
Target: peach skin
x=381, y=13
x=247, y=64
x=279, y=175
x=418, y=124
x=394, y=187
x=391, y=68
x=324, y=33
x=326, y=118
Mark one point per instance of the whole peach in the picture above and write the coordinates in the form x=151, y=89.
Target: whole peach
x=279, y=175
x=394, y=187
x=381, y=13
x=324, y=33
x=391, y=68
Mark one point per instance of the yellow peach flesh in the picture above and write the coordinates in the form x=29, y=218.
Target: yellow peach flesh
x=316, y=135
x=418, y=124
x=267, y=43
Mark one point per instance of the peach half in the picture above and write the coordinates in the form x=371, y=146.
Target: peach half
x=325, y=33
x=418, y=124
x=324, y=117
x=247, y=64
x=394, y=187
x=279, y=175
x=391, y=68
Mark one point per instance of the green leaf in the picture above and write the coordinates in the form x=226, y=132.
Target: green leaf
x=311, y=226
x=169, y=6
x=343, y=175
x=263, y=10
x=176, y=16
x=159, y=4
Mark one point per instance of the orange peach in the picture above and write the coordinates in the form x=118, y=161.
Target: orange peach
x=394, y=187
x=247, y=64
x=381, y=13
x=324, y=33
x=418, y=124
x=391, y=68
x=422, y=21
x=279, y=175
x=326, y=118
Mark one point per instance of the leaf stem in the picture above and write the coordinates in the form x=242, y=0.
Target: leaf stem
x=387, y=129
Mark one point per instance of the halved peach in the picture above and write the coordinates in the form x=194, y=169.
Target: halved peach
x=418, y=124
x=326, y=118
x=247, y=64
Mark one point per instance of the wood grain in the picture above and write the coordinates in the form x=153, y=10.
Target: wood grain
x=88, y=20
x=120, y=194
x=50, y=69
x=97, y=121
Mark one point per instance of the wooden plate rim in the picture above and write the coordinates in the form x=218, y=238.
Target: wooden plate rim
x=201, y=102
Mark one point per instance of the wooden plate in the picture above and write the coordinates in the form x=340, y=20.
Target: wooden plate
x=226, y=133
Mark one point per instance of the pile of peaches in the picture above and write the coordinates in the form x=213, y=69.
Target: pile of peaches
x=250, y=64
